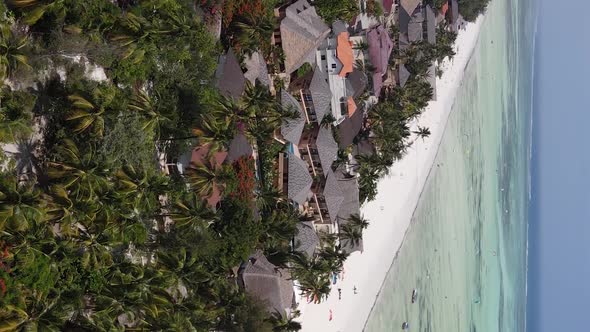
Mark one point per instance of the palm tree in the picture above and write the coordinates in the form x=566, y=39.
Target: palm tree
x=12, y=52
x=86, y=115
x=351, y=233
x=252, y=31
x=282, y=323
x=21, y=204
x=79, y=172
x=358, y=221
x=315, y=287
x=328, y=120
x=147, y=107
x=361, y=45
x=13, y=130
x=203, y=178
x=189, y=211
x=34, y=10
x=422, y=132
x=215, y=131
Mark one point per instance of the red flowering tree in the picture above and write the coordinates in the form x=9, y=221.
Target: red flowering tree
x=246, y=179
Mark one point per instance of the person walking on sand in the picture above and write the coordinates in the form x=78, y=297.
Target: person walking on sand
x=354, y=289
x=339, y=293
x=330, y=318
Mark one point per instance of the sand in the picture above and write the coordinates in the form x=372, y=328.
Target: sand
x=391, y=212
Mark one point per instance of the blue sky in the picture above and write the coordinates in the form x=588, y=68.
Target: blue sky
x=559, y=247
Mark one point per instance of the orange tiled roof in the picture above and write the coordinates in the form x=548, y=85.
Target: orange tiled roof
x=344, y=53
x=351, y=106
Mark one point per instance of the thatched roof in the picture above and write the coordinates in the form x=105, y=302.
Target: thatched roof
x=302, y=31
x=349, y=128
x=229, y=78
x=256, y=69
x=267, y=283
x=291, y=129
x=320, y=94
x=306, y=240
x=350, y=205
x=299, y=182
x=239, y=147
x=327, y=147
x=333, y=195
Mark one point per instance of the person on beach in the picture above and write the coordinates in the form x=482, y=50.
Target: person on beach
x=339, y=294
x=354, y=289
x=330, y=318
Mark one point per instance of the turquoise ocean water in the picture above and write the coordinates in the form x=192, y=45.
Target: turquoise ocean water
x=466, y=251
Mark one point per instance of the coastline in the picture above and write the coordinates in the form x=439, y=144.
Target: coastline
x=390, y=214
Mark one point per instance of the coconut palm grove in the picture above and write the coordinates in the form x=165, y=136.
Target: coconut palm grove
x=140, y=178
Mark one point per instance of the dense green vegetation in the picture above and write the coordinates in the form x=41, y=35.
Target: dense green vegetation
x=471, y=9
x=332, y=10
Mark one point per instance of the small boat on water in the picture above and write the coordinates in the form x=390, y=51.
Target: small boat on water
x=405, y=326
x=414, y=295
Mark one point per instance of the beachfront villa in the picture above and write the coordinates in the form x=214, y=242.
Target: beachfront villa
x=416, y=23
x=300, y=33
x=266, y=282
x=334, y=60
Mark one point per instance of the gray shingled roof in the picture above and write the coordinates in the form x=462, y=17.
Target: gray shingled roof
x=404, y=74
x=327, y=147
x=239, y=147
x=333, y=195
x=454, y=14
x=416, y=27
x=268, y=283
x=338, y=27
x=291, y=129
x=299, y=182
x=356, y=83
x=410, y=5
x=256, y=69
x=430, y=25
x=302, y=31
x=306, y=240
x=229, y=78
x=350, y=205
x=349, y=128
x=321, y=94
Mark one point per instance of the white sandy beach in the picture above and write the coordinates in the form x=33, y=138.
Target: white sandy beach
x=391, y=212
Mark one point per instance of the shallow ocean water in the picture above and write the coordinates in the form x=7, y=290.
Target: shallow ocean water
x=465, y=252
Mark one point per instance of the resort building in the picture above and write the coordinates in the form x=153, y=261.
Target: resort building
x=416, y=24
x=267, y=283
x=334, y=60
x=300, y=33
